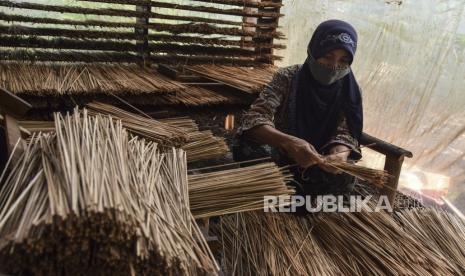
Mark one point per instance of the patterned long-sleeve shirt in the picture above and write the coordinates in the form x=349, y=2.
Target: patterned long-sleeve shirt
x=271, y=108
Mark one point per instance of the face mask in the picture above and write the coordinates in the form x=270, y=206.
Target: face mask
x=324, y=74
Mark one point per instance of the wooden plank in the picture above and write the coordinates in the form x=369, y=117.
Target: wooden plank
x=94, y=34
x=69, y=56
x=71, y=44
x=78, y=56
x=244, y=3
x=66, y=43
x=12, y=104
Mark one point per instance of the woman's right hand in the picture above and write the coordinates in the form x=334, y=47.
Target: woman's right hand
x=303, y=153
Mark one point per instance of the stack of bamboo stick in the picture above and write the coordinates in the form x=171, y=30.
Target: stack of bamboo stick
x=236, y=190
x=87, y=200
x=363, y=243
x=55, y=80
x=247, y=79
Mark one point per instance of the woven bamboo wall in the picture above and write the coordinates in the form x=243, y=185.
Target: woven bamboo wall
x=141, y=31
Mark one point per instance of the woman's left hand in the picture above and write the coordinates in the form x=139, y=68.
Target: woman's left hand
x=339, y=153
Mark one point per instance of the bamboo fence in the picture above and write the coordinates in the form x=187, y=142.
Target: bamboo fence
x=89, y=200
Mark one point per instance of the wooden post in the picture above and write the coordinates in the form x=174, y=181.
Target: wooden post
x=263, y=20
x=393, y=165
x=246, y=19
x=143, y=45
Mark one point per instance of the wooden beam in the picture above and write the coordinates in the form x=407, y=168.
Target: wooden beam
x=143, y=45
x=384, y=147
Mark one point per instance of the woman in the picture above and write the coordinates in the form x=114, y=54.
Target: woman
x=309, y=114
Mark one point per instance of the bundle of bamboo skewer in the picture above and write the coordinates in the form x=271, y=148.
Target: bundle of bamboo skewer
x=59, y=79
x=199, y=145
x=364, y=243
x=376, y=177
x=161, y=133
x=180, y=131
x=87, y=200
x=248, y=79
x=236, y=190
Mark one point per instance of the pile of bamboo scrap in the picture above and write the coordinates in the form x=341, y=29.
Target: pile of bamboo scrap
x=248, y=79
x=90, y=200
x=236, y=190
x=364, y=243
x=49, y=79
x=440, y=231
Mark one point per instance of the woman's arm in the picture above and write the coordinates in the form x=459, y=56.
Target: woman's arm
x=342, y=146
x=258, y=122
x=302, y=152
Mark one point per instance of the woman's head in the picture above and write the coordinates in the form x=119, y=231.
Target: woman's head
x=333, y=37
x=331, y=51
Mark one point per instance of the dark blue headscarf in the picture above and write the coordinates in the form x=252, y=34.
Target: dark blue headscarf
x=314, y=108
